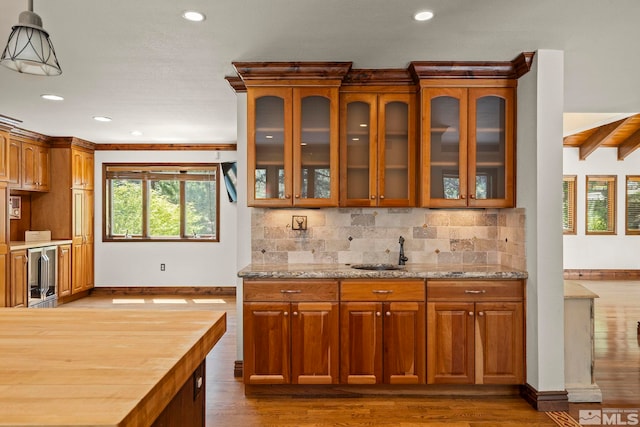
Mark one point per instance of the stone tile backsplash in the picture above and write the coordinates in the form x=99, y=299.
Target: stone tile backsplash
x=370, y=235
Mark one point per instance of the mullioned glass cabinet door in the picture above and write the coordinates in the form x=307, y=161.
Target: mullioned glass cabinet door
x=269, y=146
x=491, y=152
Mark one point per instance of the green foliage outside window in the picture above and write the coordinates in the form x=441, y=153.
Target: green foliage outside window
x=182, y=206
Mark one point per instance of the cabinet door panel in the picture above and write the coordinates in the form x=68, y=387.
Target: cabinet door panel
x=29, y=158
x=491, y=153
x=15, y=164
x=358, y=150
x=396, y=150
x=444, y=153
x=64, y=270
x=404, y=343
x=4, y=156
x=269, y=157
x=499, y=343
x=266, y=343
x=315, y=146
x=18, y=282
x=450, y=343
x=361, y=343
x=314, y=343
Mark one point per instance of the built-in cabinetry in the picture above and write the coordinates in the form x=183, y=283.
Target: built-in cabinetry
x=72, y=199
x=290, y=332
x=382, y=332
x=18, y=279
x=378, y=143
x=4, y=155
x=468, y=149
x=292, y=133
x=391, y=331
x=475, y=332
x=29, y=165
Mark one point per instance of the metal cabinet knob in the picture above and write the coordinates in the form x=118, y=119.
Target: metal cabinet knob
x=388, y=313
x=471, y=313
x=480, y=313
x=378, y=314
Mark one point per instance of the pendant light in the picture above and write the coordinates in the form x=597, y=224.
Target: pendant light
x=29, y=49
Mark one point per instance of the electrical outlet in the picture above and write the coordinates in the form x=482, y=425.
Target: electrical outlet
x=162, y=267
x=299, y=222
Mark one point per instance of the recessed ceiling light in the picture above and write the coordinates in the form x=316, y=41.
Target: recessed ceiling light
x=425, y=15
x=355, y=139
x=269, y=136
x=136, y=133
x=192, y=15
x=52, y=97
x=102, y=118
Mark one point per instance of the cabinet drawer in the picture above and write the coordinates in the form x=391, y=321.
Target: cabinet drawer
x=290, y=290
x=475, y=290
x=382, y=290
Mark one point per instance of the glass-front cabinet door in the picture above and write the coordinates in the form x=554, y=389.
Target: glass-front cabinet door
x=468, y=147
x=491, y=148
x=315, y=146
x=444, y=151
x=269, y=146
x=292, y=146
x=378, y=149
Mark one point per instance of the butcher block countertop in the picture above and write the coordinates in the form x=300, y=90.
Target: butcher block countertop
x=98, y=367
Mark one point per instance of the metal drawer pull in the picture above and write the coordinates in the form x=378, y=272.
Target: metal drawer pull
x=470, y=291
x=290, y=291
x=382, y=291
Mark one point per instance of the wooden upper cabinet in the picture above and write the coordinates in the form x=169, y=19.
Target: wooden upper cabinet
x=15, y=160
x=292, y=132
x=468, y=146
x=377, y=149
x=82, y=169
x=293, y=146
x=29, y=165
x=4, y=155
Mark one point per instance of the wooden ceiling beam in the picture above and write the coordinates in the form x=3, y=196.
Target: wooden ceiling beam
x=601, y=136
x=629, y=145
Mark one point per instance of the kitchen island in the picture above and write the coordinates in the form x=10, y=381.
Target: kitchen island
x=81, y=367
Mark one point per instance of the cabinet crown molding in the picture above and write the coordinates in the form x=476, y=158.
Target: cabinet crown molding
x=341, y=74
x=514, y=69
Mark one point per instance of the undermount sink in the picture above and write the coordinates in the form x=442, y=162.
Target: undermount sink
x=377, y=267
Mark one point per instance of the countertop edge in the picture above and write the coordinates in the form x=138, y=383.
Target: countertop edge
x=340, y=271
x=19, y=245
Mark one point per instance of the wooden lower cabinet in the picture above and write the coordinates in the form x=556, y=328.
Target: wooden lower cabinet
x=382, y=340
x=64, y=270
x=288, y=340
x=18, y=279
x=472, y=339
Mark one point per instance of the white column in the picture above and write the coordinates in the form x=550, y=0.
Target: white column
x=539, y=174
x=244, y=216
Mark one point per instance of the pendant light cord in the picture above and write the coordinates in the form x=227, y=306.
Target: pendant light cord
x=30, y=5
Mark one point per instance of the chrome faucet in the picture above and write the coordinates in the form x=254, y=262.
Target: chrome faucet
x=402, y=259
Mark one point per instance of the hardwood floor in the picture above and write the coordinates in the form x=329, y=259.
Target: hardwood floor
x=617, y=372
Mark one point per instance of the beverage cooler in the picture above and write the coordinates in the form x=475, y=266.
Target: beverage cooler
x=42, y=277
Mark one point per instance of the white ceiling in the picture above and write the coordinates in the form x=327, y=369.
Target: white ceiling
x=140, y=63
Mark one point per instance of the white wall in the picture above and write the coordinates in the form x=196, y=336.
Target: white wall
x=601, y=252
x=187, y=264
x=539, y=172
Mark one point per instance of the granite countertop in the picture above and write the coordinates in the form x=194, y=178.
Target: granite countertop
x=409, y=271
x=17, y=245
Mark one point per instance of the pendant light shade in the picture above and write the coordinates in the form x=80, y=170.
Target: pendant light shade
x=29, y=49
